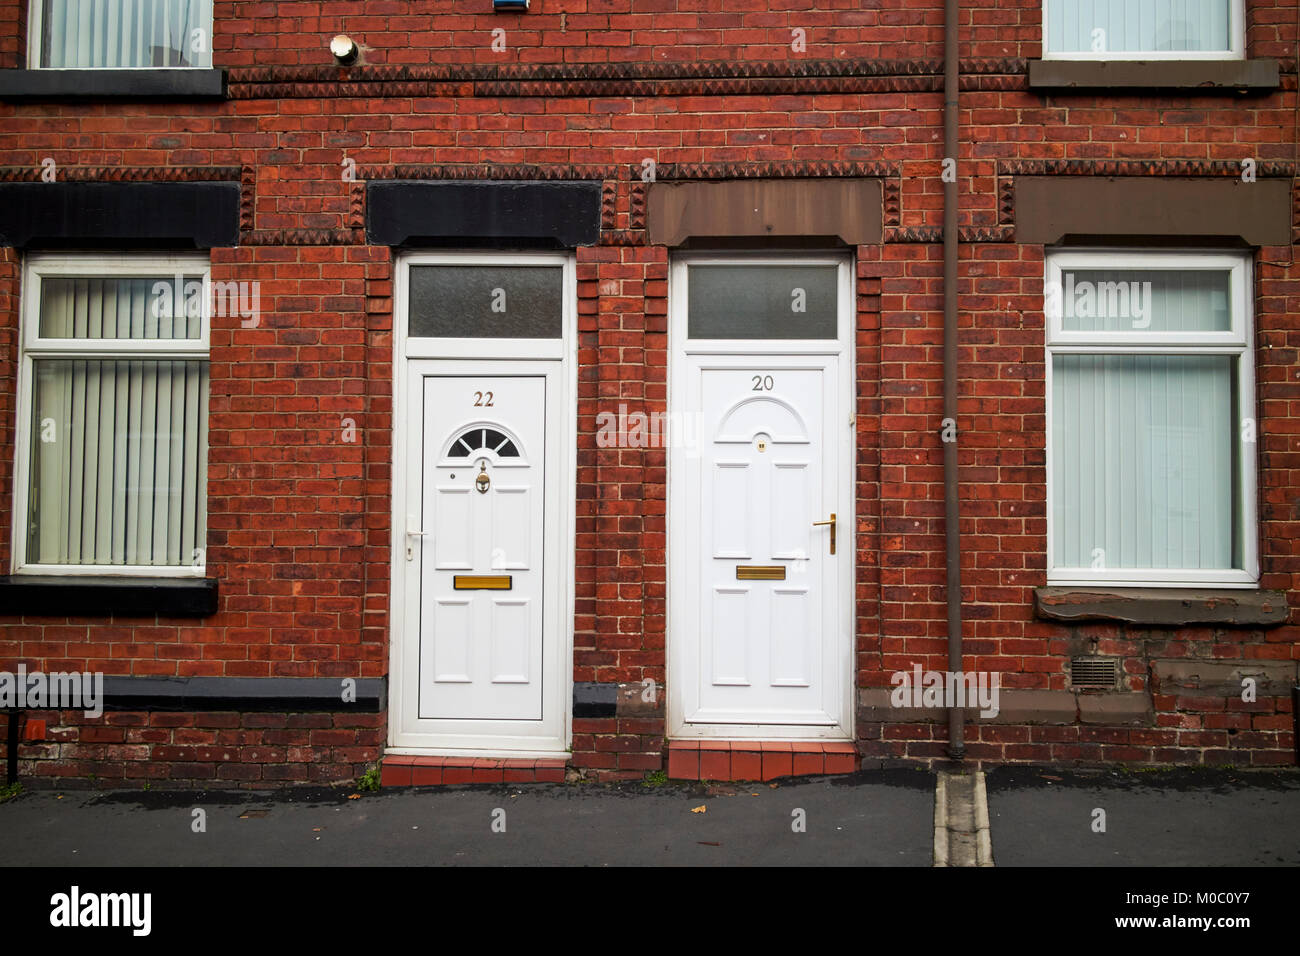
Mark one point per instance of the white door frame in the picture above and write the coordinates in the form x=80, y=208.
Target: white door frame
x=679, y=624
x=494, y=356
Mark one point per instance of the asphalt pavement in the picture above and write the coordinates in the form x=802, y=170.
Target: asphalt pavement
x=1167, y=818
x=879, y=818
x=1037, y=816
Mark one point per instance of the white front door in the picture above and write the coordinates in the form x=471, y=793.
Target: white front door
x=761, y=535
x=483, y=540
x=481, y=561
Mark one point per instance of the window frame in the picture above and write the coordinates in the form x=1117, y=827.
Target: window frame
x=32, y=347
x=1236, y=34
x=35, y=40
x=1238, y=341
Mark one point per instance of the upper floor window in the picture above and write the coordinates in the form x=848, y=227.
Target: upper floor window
x=1143, y=29
x=120, y=34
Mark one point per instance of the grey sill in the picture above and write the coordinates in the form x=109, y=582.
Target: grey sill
x=1202, y=76
x=171, y=84
x=1163, y=607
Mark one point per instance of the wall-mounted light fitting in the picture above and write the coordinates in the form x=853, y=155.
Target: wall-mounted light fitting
x=344, y=49
x=509, y=6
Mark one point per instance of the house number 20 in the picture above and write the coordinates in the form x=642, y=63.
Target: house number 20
x=482, y=399
x=763, y=383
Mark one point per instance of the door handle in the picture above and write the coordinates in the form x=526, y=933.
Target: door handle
x=830, y=521
x=410, y=545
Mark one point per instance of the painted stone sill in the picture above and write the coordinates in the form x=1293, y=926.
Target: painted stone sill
x=1201, y=76
x=173, y=84
x=1163, y=607
x=103, y=597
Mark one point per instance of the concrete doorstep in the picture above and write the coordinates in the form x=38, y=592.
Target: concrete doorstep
x=961, y=821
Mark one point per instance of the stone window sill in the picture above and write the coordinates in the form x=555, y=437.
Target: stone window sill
x=1200, y=76
x=171, y=84
x=1163, y=607
x=102, y=597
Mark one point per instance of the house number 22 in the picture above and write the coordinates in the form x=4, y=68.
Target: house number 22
x=763, y=383
x=482, y=399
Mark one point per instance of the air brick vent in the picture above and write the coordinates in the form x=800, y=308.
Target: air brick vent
x=1094, y=672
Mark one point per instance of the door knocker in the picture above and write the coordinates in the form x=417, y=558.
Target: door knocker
x=482, y=481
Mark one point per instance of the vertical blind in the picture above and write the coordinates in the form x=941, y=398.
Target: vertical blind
x=1139, y=26
x=119, y=445
x=1143, y=461
x=85, y=34
x=1149, y=300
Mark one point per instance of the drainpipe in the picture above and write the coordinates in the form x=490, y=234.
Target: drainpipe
x=951, y=512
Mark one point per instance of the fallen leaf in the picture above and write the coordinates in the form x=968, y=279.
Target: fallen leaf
x=707, y=843
x=772, y=785
x=1048, y=776
x=354, y=796
x=700, y=809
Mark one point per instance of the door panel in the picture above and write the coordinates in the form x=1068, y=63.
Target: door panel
x=764, y=651
x=481, y=574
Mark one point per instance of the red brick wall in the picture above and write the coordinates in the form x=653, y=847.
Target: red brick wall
x=299, y=519
x=220, y=749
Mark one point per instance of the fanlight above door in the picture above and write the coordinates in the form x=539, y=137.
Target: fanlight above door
x=476, y=440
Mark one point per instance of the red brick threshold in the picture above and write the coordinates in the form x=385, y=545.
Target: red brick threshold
x=408, y=770
x=758, y=760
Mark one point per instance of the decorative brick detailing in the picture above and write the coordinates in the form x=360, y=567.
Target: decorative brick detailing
x=1006, y=200
x=774, y=170
x=1141, y=167
x=608, y=206
x=688, y=77
x=247, y=199
x=401, y=770
x=638, y=206
x=507, y=171
x=892, y=201
x=917, y=234
x=72, y=173
x=304, y=237
x=758, y=760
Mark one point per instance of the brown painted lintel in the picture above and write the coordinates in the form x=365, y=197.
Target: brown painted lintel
x=1163, y=607
x=847, y=210
x=1050, y=209
x=1202, y=76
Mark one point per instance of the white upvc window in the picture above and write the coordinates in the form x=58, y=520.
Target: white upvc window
x=119, y=34
x=1143, y=29
x=112, y=440
x=1150, y=419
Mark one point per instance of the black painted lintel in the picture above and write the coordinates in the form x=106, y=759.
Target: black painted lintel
x=170, y=84
x=247, y=694
x=105, y=596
